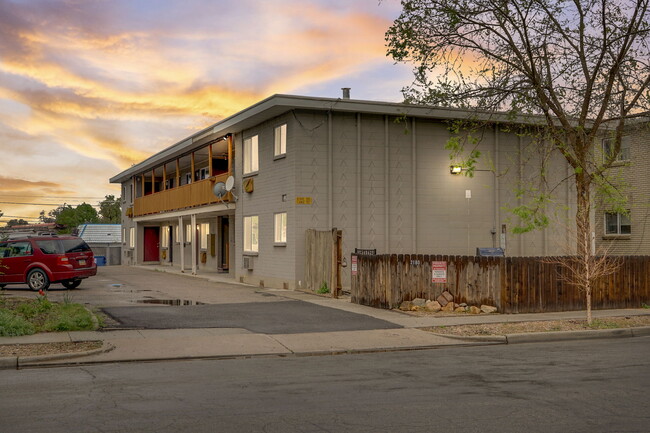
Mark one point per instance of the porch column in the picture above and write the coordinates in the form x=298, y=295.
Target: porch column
x=181, y=240
x=193, y=243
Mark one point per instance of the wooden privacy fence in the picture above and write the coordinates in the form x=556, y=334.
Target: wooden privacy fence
x=513, y=284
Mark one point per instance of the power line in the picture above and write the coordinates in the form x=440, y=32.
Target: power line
x=42, y=204
x=50, y=196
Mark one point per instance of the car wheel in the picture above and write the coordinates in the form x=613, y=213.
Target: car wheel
x=2, y=286
x=71, y=284
x=37, y=280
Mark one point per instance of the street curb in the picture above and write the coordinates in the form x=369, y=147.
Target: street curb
x=80, y=362
x=543, y=337
x=16, y=362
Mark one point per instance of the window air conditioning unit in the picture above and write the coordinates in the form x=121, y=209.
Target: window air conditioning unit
x=127, y=253
x=247, y=263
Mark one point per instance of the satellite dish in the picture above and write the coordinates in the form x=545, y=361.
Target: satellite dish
x=219, y=189
x=230, y=183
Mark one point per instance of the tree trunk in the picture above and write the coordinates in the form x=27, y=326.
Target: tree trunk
x=584, y=270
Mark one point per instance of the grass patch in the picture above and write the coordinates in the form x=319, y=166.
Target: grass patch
x=30, y=316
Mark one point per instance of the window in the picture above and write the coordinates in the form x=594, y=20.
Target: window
x=251, y=162
x=123, y=236
x=165, y=237
x=205, y=232
x=188, y=234
x=617, y=224
x=281, y=228
x=15, y=249
x=280, y=147
x=132, y=237
x=609, y=145
x=251, y=233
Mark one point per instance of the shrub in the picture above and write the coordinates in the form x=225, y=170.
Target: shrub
x=68, y=317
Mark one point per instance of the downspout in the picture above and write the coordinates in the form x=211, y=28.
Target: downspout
x=386, y=188
x=330, y=180
x=358, y=242
x=414, y=218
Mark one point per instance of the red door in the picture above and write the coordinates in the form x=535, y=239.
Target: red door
x=151, y=244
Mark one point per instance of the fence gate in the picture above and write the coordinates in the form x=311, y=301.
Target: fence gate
x=324, y=254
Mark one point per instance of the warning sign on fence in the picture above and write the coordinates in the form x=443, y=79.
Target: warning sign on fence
x=354, y=265
x=438, y=272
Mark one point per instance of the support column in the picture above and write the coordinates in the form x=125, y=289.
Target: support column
x=181, y=240
x=193, y=242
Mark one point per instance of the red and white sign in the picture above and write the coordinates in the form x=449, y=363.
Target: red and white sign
x=354, y=265
x=438, y=272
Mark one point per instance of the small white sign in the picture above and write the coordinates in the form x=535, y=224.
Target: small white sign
x=468, y=193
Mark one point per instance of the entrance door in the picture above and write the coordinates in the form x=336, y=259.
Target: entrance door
x=171, y=244
x=224, y=244
x=151, y=244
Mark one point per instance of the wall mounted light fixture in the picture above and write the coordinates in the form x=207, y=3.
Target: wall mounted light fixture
x=455, y=169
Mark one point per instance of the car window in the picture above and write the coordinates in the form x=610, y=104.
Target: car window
x=19, y=249
x=75, y=246
x=50, y=246
x=5, y=250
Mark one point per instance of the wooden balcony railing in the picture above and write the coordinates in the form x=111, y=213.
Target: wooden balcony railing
x=198, y=193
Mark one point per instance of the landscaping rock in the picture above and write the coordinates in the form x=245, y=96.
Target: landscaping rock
x=488, y=309
x=419, y=302
x=449, y=307
x=433, y=306
x=474, y=310
x=406, y=306
x=459, y=310
x=462, y=304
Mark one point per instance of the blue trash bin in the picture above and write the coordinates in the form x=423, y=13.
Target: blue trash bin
x=100, y=260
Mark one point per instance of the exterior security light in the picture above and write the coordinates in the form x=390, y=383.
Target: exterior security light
x=455, y=169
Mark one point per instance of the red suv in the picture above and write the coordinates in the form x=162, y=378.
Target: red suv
x=42, y=260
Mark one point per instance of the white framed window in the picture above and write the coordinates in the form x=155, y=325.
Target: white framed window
x=123, y=235
x=251, y=157
x=132, y=237
x=188, y=234
x=609, y=146
x=251, y=234
x=205, y=232
x=176, y=236
x=280, y=146
x=617, y=224
x=280, y=228
x=164, y=242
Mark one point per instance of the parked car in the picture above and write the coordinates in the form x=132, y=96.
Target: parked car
x=40, y=261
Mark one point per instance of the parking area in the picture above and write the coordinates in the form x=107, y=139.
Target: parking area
x=137, y=298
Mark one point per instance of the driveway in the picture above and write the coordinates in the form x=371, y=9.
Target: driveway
x=145, y=299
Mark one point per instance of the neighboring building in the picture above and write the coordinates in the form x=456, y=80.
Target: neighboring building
x=104, y=239
x=377, y=171
x=629, y=234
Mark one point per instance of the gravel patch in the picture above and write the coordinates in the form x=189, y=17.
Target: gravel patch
x=545, y=326
x=47, y=348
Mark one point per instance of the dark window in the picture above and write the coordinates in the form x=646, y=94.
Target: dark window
x=75, y=246
x=16, y=249
x=50, y=246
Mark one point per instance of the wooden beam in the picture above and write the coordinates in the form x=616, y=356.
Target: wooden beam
x=210, y=160
x=230, y=155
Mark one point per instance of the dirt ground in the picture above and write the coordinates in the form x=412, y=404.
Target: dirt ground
x=546, y=326
x=47, y=348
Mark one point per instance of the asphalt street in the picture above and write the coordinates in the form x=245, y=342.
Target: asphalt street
x=580, y=386
x=285, y=317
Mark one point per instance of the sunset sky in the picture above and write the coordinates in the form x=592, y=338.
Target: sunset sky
x=90, y=87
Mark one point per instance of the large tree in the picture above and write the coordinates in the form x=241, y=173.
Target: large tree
x=70, y=217
x=109, y=210
x=579, y=70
